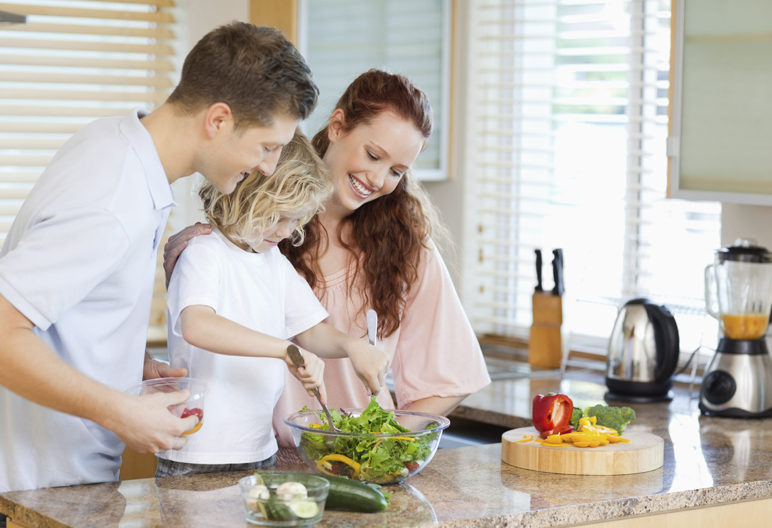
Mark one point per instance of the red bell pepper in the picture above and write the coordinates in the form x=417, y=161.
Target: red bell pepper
x=552, y=414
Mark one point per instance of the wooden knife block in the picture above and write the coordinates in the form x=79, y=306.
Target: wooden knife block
x=545, y=347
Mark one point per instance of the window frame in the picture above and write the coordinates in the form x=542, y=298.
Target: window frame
x=443, y=171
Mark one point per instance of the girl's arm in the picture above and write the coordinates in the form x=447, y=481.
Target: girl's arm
x=203, y=328
x=370, y=363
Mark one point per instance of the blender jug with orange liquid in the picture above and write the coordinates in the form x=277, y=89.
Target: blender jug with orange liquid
x=738, y=292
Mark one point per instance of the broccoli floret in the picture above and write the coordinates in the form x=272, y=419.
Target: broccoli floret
x=575, y=415
x=609, y=416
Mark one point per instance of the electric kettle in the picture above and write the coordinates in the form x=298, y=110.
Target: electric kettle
x=642, y=353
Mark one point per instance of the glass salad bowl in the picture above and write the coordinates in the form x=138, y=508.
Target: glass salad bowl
x=374, y=445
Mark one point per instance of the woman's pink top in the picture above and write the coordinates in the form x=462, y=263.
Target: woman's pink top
x=434, y=352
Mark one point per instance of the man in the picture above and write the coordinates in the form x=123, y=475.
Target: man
x=77, y=268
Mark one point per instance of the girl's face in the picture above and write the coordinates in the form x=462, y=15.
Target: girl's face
x=282, y=229
x=369, y=161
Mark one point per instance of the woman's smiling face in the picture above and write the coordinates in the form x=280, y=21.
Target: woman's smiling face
x=369, y=161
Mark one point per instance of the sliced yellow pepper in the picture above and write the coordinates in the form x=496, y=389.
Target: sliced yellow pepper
x=525, y=438
x=588, y=434
x=544, y=443
x=325, y=466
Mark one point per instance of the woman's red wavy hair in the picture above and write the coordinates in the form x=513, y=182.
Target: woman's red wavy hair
x=387, y=234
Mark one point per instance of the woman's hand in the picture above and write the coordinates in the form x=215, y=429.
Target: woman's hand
x=371, y=364
x=179, y=241
x=311, y=374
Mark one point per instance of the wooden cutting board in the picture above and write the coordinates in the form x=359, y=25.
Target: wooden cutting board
x=644, y=452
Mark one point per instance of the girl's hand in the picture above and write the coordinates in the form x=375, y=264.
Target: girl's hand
x=311, y=374
x=371, y=364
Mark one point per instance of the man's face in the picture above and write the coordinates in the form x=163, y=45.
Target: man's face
x=236, y=153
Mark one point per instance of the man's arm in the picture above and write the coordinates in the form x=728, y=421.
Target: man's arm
x=158, y=369
x=33, y=371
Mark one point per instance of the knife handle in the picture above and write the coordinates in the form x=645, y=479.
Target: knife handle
x=538, y=287
x=557, y=271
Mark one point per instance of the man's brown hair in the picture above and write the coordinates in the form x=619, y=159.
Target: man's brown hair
x=253, y=69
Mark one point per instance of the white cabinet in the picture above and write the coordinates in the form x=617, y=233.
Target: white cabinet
x=720, y=146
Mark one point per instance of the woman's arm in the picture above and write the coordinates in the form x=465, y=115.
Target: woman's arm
x=179, y=241
x=442, y=405
x=438, y=351
x=370, y=363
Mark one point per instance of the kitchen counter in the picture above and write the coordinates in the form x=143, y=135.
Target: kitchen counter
x=708, y=462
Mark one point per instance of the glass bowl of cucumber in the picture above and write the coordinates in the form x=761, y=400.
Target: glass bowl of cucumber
x=281, y=498
x=372, y=445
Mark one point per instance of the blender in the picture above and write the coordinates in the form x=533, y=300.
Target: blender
x=738, y=292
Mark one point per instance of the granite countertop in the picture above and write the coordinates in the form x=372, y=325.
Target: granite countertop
x=708, y=461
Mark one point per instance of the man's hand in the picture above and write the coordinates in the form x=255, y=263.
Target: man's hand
x=158, y=369
x=179, y=241
x=145, y=424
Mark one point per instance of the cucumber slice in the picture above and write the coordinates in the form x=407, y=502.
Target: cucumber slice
x=276, y=511
x=304, y=509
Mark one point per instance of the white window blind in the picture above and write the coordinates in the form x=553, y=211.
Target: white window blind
x=71, y=63
x=571, y=100
x=342, y=39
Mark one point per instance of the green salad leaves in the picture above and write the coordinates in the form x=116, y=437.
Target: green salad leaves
x=372, y=457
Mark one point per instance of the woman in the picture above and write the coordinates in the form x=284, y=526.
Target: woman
x=371, y=248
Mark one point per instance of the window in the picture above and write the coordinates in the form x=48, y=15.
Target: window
x=70, y=63
x=572, y=120
x=341, y=39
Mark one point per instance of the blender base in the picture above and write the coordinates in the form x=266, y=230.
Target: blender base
x=734, y=412
x=637, y=398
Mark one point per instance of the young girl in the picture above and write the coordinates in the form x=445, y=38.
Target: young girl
x=235, y=301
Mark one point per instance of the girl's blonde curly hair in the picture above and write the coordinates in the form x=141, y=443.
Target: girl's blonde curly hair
x=299, y=183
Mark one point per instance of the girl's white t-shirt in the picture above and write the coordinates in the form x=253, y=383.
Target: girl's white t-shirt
x=261, y=291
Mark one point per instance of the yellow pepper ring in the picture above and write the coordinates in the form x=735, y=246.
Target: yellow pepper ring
x=195, y=428
x=324, y=464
